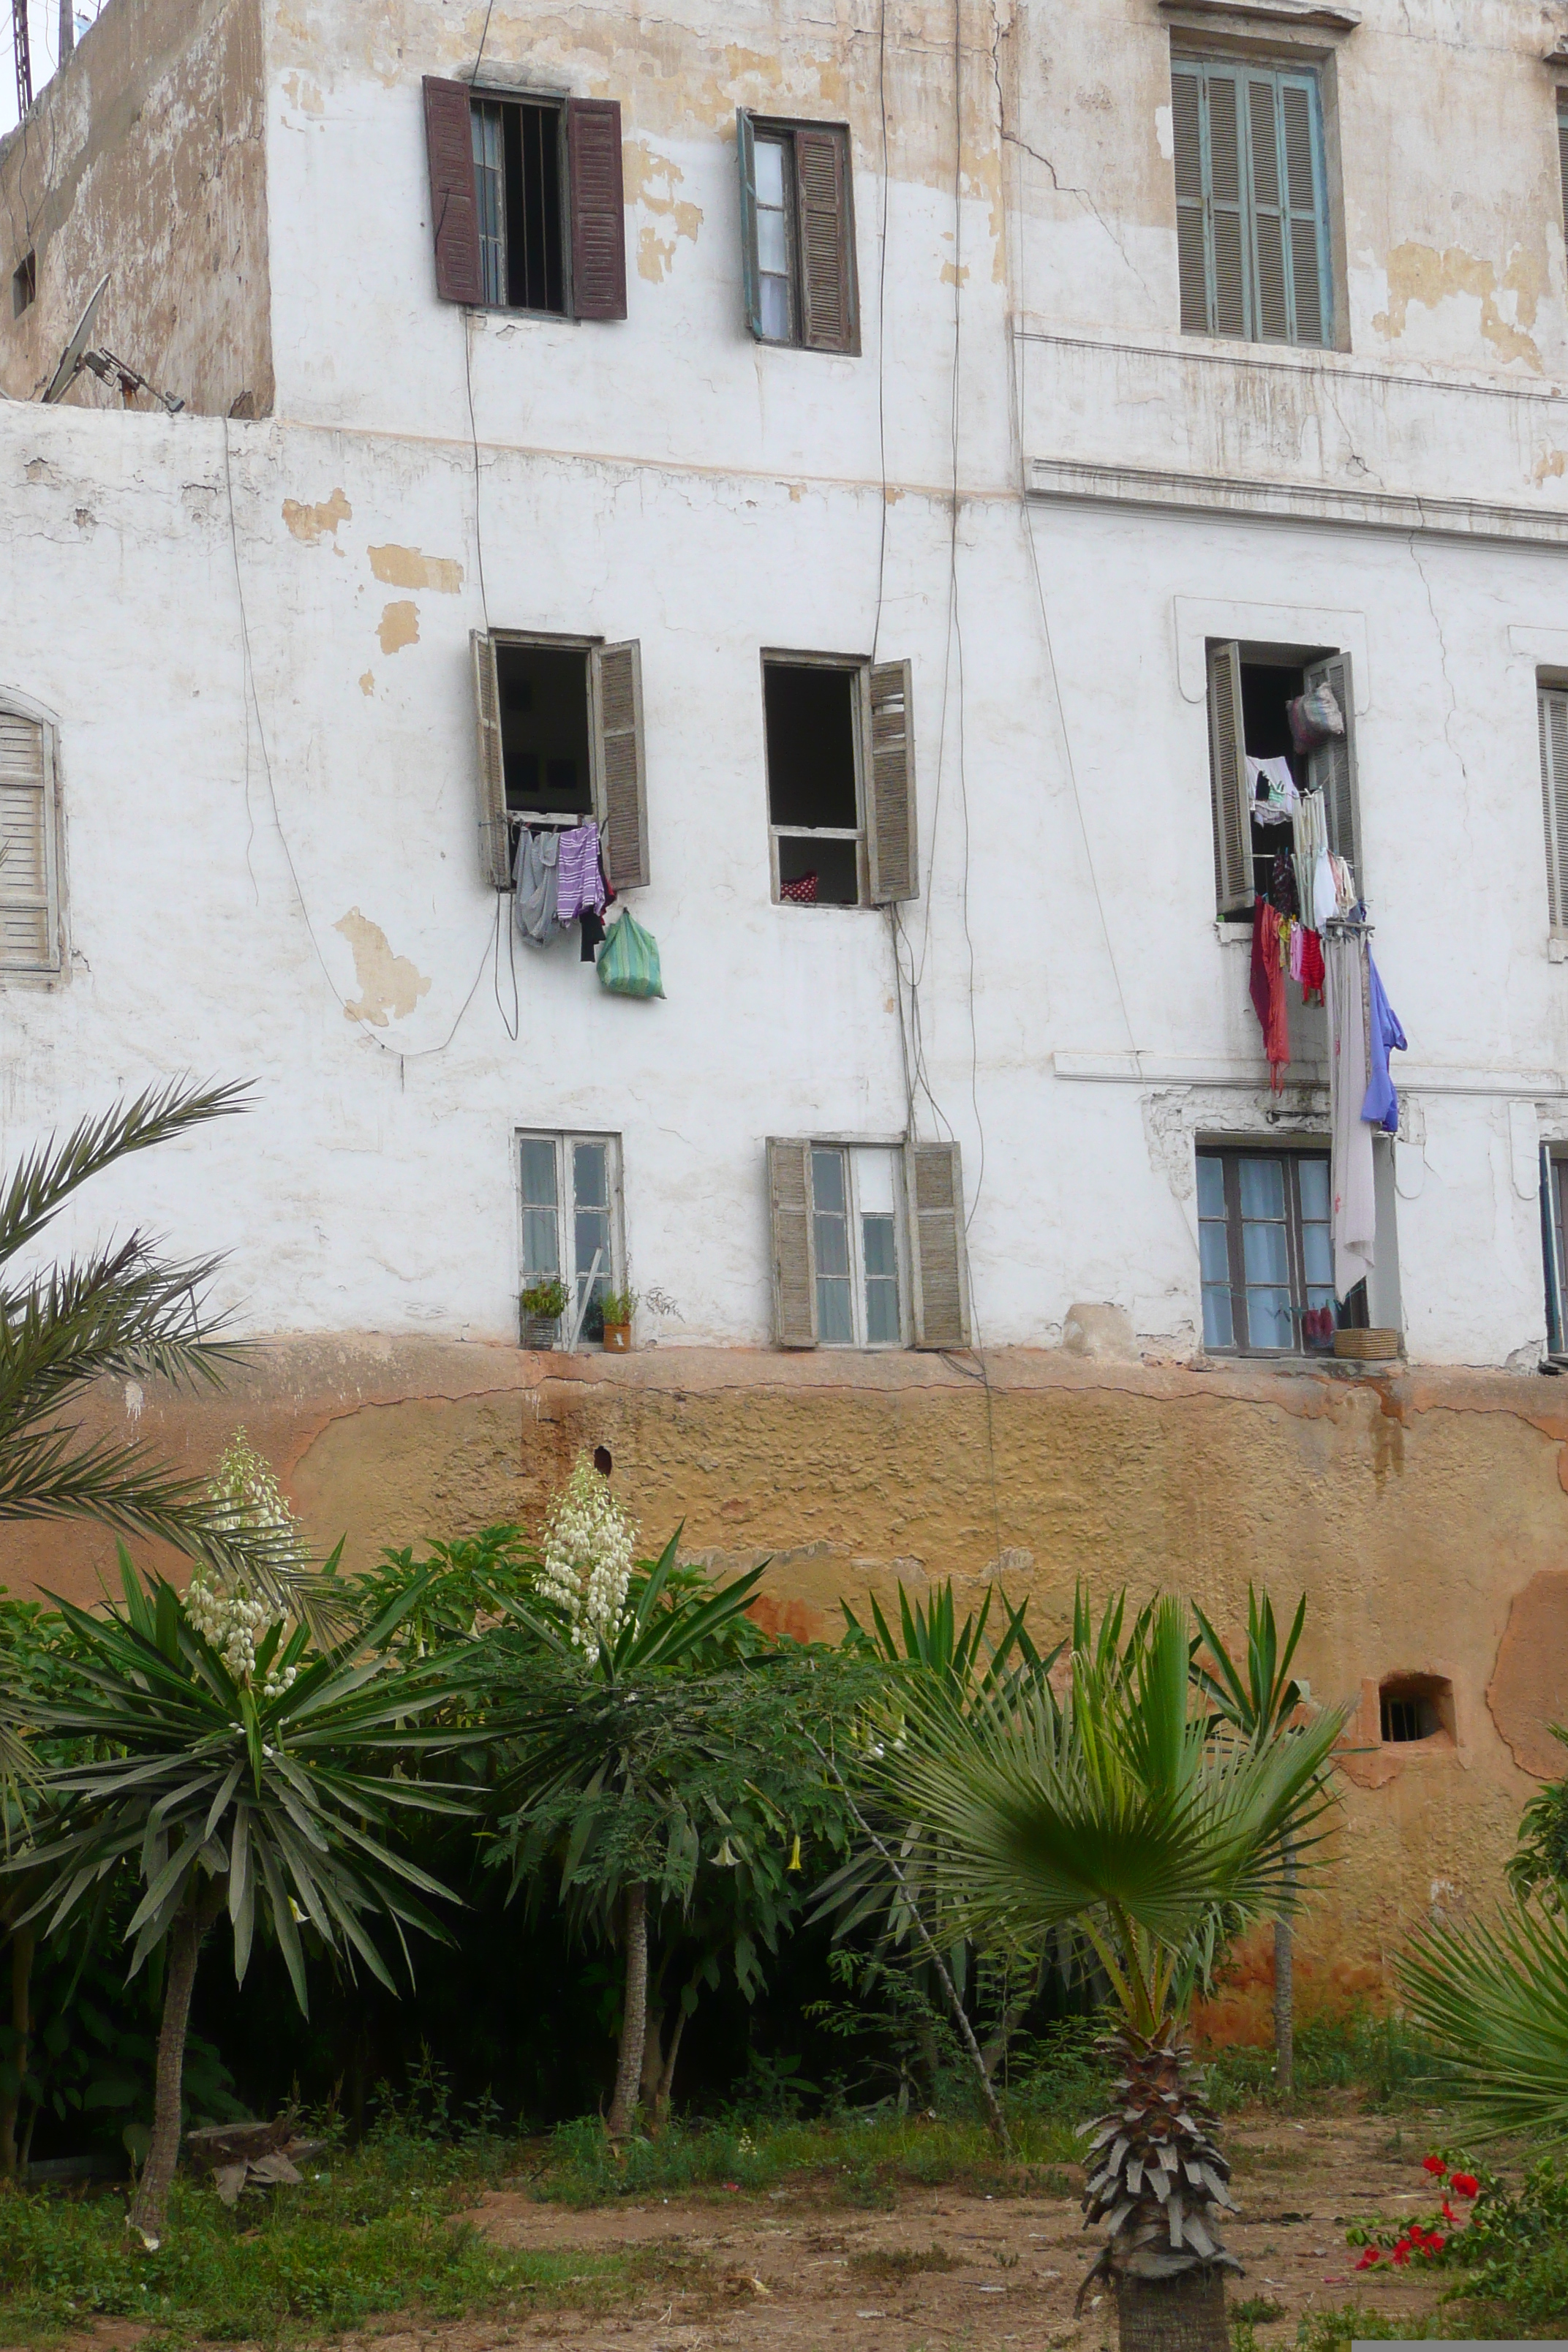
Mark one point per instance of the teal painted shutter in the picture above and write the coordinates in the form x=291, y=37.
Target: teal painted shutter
x=1307, y=212
x=1251, y=217
x=1229, y=305
x=1270, y=321
x=1192, y=234
x=746, y=159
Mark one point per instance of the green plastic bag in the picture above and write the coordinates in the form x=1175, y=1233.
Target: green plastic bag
x=628, y=961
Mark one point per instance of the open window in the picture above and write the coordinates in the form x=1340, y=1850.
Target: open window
x=1252, y=214
x=1250, y=687
x=841, y=780
x=797, y=233
x=570, y=1188
x=868, y=1245
x=30, y=927
x=528, y=208
x=1266, y=1252
x=559, y=740
x=23, y=284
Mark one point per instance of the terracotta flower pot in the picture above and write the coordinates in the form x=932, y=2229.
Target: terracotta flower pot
x=617, y=1339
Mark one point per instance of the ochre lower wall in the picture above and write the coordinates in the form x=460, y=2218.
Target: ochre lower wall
x=1417, y=1512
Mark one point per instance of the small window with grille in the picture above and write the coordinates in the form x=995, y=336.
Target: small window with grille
x=1415, y=1707
x=1252, y=215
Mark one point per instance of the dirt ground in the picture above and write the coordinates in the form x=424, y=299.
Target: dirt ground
x=942, y=2270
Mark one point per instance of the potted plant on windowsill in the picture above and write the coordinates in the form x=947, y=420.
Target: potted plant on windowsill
x=619, y=1307
x=542, y=1304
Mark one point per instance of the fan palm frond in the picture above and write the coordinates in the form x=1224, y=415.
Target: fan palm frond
x=1493, y=1999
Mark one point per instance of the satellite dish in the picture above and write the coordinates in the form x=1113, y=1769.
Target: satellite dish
x=66, y=375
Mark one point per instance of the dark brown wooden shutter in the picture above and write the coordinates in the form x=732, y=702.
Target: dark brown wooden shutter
x=1562, y=151
x=789, y=1213
x=454, y=211
x=826, y=230
x=891, y=845
x=1331, y=767
x=620, y=788
x=934, y=1185
x=495, y=834
x=598, y=208
x=1233, y=892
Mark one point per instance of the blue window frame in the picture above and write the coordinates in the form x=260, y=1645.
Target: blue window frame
x=1252, y=223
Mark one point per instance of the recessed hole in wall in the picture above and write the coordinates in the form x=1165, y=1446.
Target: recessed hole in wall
x=1415, y=1706
x=604, y=1462
x=23, y=284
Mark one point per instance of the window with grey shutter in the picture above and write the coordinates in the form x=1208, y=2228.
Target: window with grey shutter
x=1562, y=151
x=29, y=885
x=797, y=234
x=1551, y=711
x=789, y=1200
x=495, y=835
x=598, y=208
x=1332, y=767
x=939, y=1268
x=620, y=787
x=454, y=212
x=891, y=845
x=1227, y=783
x=1252, y=223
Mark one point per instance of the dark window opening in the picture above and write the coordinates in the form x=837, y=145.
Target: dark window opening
x=1266, y=688
x=1415, y=1706
x=23, y=284
x=544, y=729
x=1266, y=1254
x=517, y=182
x=812, y=715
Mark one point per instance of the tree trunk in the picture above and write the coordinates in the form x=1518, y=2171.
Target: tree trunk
x=150, y=2206
x=23, y=1944
x=1179, y=2314
x=634, y=2015
x=1284, y=2008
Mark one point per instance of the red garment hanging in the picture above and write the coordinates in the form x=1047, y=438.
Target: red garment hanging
x=1267, y=983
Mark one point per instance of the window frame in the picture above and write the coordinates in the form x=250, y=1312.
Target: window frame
x=545, y=642
x=25, y=283
x=1554, y=1246
x=852, y=1150
x=857, y=667
x=565, y=1141
x=1350, y=1314
x=1333, y=768
x=56, y=964
x=555, y=102
x=788, y=129
x=1310, y=74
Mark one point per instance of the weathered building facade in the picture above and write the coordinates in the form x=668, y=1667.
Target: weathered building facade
x=851, y=458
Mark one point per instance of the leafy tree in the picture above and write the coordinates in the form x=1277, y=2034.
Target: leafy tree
x=251, y=1774
x=1261, y=1701
x=1118, y=1811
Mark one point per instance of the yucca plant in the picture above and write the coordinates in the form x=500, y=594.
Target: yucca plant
x=232, y=1768
x=1125, y=1813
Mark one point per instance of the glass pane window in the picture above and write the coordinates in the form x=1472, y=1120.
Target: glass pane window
x=830, y=1247
x=570, y=1187
x=774, y=226
x=489, y=188
x=1266, y=1254
x=855, y=1240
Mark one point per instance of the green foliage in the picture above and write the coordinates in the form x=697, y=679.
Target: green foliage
x=371, y=2234
x=445, y=1599
x=1494, y=2001
x=546, y=1298
x=617, y=1306
x=1337, y=2330
x=1378, y=2056
x=1539, y=1865
x=1515, y=2250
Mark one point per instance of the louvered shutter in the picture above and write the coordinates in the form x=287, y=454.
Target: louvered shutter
x=598, y=208
x=1271, y=321
x=891, y=842
x=825, y=233
x=789, y=1211
x=1552, y=704
x=1234, y=891
x=29, y=924
x=1192, y=240
x=620, y=791
x=746, y=160
x=1331, y=767
x=1562, y=156
x=1551, y=1249
x=1228, y=228
x=939, y=1266
x=1303, y=184
x=454, y=211
x=495, y=834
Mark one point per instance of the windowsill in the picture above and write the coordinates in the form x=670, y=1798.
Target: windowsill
x=1232, y=935
x=1211, y=1360
x=1557, y=946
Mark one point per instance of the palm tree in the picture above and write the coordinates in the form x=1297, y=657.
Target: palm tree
x=1493, y=2001
x=1260, y=1703
x=124, y=1312
x=1118, y=1811
x=232, y=1769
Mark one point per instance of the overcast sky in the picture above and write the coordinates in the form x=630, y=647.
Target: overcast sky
x=43, y=28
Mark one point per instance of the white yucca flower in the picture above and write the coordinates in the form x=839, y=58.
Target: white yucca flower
x=589, y=1548
x=219, y=1603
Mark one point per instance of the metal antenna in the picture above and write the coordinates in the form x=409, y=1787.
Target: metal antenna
x=24, y=57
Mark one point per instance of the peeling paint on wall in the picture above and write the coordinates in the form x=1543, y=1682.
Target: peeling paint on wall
x=389, y=984
x=308, y=523
x=656, y=248
x=1418, y=273
x=409, y=567
x=399, y=626
x=367, y=683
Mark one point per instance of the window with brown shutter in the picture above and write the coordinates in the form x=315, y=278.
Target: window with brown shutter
x=560, y=738
x=527, y=202
x=29, y=849
x=841, y=780
x=1250, y=687
x=843, y=1259
x=797, y=231
x=939, y=1261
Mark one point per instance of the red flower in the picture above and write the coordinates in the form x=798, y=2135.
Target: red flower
x=1464, y=2184
x=1448, y=2213
x=1368, y=2260
x=1433, y=2164
x=1434, y=2243
x=1401, y=2254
